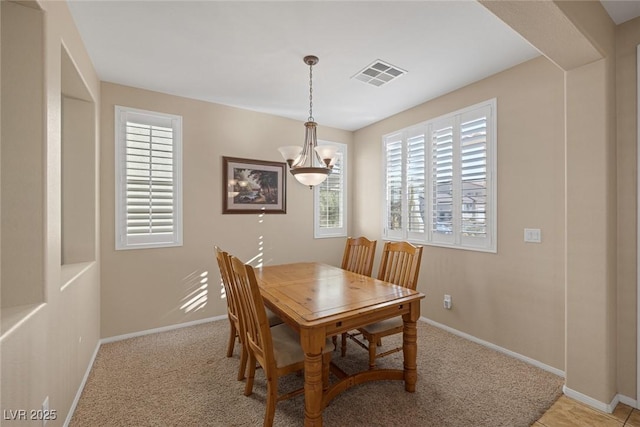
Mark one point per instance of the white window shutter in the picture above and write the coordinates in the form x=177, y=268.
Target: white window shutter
x=475, y=177
x=393, y=152
x=440, y=180
x=148, y=160
x=416, y=183
x=330, y=213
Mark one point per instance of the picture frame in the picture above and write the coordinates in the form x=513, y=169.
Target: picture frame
x=253, y=186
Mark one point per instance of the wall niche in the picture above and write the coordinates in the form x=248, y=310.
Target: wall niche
x=22, y=150
x=78, y=168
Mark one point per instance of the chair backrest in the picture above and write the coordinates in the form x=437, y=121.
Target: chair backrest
x=256, y=324
x=224, y=265
x=400, y=264
x=358, y=255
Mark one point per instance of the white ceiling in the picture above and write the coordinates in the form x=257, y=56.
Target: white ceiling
x=622, y=10
x=249, y=54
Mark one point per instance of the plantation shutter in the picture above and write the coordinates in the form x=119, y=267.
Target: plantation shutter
x=149, y=154
x=442, y=181
x=330, y=196
x=473, y=171
x=416, y=180
x=393, y=186
x=474, y=177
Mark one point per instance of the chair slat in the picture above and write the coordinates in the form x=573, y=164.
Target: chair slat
x=359, y=254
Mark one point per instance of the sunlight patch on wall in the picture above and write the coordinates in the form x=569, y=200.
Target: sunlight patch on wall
x=197, y=291
x=223, y=291
x=258, y=259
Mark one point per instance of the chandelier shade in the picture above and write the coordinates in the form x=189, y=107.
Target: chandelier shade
x=327, y=153
x=310, y=164
x=310, y=176
x=290, y=153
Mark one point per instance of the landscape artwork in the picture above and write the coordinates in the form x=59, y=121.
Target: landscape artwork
x=253, y=186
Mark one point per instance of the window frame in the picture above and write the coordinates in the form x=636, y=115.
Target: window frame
x=123, y=241
x=328, y=232
x=456, y=239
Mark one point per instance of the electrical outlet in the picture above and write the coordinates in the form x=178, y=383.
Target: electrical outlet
x=447, y=302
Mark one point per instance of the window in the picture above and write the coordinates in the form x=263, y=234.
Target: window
x=440, y=185
x=148, y=179
x=330, y=213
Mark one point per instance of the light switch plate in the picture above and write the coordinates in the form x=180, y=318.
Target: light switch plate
x=532, y=235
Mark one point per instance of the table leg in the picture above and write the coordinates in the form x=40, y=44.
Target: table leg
x=410, y=350
x=312, y=344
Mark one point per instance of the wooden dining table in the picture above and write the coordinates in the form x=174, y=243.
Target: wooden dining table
x=321, y=301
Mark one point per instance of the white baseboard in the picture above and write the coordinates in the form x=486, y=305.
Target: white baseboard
x=161, y=329
x=81, y=388
x=601, y=406
x=627, y=401
x=492, y=346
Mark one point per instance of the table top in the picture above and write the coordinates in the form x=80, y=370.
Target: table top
x=314, y=293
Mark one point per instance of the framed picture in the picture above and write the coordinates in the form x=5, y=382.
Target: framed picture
x=253, y=186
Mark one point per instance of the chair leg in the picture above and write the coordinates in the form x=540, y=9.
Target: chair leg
x=248, y=388
x=243, y=362
x=272, y=399
x=232, y=339
x=343, y=351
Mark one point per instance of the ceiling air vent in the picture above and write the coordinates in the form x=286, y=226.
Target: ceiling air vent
x=378, y=73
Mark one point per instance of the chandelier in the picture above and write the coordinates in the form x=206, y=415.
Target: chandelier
x=310, y=164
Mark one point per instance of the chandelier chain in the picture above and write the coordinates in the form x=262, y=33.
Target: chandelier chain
x=311, y=92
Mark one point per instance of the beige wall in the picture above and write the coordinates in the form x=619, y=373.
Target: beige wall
x=564, y=302
x=22, y=134
x=585, y=51
x=591, y=345
x=627, y=40
x=514, y=298
x=145, y=289
x=47, y=347
x=590, y=298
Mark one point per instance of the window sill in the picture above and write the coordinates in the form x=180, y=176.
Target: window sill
x=491, y=250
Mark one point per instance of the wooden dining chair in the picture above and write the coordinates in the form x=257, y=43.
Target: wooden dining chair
x=277, y=349
x=232, y=310
x=224, y=264
x=359, y=253
x=400, y=265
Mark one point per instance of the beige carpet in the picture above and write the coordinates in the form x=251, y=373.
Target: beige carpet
x=182, y=378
